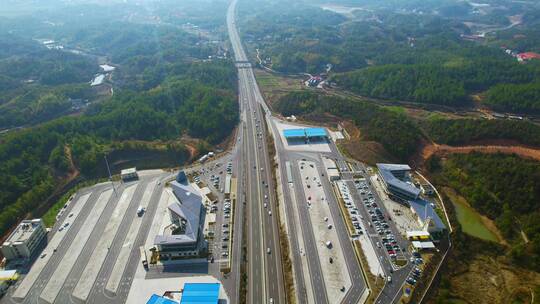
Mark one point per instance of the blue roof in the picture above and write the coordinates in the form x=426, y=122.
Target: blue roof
x=200, y=293
x=424, y=210
x=155, y=299
x=315, y=132
x=290, y=133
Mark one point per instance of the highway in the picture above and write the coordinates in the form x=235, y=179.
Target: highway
x=265, y=273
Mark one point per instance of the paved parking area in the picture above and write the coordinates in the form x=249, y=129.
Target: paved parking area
x=59, y=276
x=95, y=236
x=127, y=247
x=402, y=216
x=29, y=280
x=328, y=246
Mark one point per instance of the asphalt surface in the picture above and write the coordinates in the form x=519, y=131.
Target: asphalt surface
x=392, y=291
x=265, y=275
x=98, y=294
x=358, y=287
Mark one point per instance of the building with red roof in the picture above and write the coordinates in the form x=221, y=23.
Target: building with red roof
x=527, y=56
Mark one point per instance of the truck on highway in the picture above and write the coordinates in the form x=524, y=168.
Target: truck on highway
x=144, y=260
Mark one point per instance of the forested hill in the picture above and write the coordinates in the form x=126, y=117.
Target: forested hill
x=180, y=104
x=170, y=83
x=414, y=51
x=505, y=188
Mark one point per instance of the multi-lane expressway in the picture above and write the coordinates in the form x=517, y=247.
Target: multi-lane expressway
x=265, y=278
x=265, y=274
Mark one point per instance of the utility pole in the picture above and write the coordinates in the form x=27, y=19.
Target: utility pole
x=110, y=175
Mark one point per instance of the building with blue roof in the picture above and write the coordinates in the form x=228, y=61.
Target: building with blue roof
x=427, y=216
x=306, y=134
x=294, y=133
x=200, y=293
x=393, y=178
x=315, y=132
x=155, y=299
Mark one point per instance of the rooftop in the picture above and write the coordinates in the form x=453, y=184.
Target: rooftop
x=6, y=275
x=315, y=132
x=291, y=133
x=387, y=172
x=128, y=171
x=417, y=233
x=200, y=293
x=23, y=231
x=155, y=299
x=423, y=245
x=528, y=55
x=424, y=210
x=188, y=207
x=307, y=132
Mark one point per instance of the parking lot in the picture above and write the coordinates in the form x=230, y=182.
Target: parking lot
x=378, y=219
x=329, y=250
x=91, y=250
x=219, y=236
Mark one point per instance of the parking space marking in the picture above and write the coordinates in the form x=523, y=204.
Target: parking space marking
x=123, y=256
x=29, y=280
x=91, y=271
x=51, y=290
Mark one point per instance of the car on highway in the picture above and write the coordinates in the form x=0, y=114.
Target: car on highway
x=268, y=250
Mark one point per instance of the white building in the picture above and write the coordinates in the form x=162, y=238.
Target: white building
x=23, y=242
x=129, y=174
x=331, y=169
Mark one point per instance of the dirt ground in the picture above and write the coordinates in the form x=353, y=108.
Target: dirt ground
x=366, y=151
x=430, y=149
x=486, y=280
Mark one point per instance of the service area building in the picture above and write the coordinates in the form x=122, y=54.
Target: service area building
x=427, y=216
x=197, y=293
x=183, y=236
x=331, y=169
x=305, y=135
x=394, y=179
x=23, y=242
